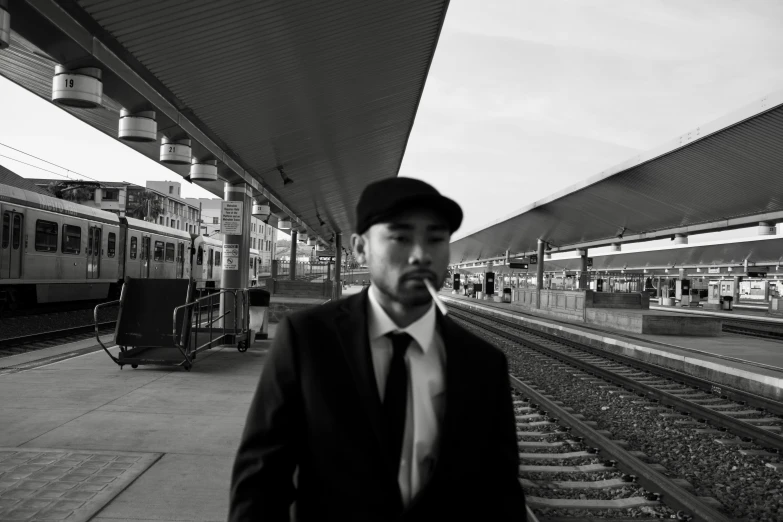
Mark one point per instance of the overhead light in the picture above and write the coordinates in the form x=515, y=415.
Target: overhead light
x=286, y=179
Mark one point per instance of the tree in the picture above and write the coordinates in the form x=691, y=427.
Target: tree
x=147, y=207
x=76, y=191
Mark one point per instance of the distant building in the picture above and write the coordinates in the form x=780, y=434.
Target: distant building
x=263, y=237
x=118, y=197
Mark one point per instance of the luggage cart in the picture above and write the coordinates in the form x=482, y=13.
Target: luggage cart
x=160, y=324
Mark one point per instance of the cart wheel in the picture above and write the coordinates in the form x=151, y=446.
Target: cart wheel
x=242, y=347
x=134, y=366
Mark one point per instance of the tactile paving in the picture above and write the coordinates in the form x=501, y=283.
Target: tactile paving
x=49, y=484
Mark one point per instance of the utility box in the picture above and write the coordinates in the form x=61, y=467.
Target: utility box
x=258, y=304
x=456, y=282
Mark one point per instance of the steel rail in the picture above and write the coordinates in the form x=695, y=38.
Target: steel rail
x=675, y=496
x=725, y=391
x=737, y=426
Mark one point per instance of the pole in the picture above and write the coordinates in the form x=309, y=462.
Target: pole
x=292, y=261
x=338, y=251
x=540, y=265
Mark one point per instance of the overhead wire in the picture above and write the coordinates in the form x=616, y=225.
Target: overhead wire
x=45, y=161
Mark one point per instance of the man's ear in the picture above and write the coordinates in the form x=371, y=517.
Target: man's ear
x=359, y=247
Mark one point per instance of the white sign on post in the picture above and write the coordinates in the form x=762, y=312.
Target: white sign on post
x=230, y=257
x=231, y=223
x=714, y=270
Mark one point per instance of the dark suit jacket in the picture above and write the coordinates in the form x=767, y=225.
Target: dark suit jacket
x=317, y=408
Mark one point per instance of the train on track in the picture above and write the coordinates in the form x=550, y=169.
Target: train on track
x=53, y=250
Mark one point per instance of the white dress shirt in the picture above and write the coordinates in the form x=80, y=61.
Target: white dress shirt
x=425, y=360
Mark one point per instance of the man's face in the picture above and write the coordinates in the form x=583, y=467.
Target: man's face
x=402, y=252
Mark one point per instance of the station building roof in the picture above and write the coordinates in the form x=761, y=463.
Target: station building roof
x=326, y=90
x=762, y=254
x=719, y=176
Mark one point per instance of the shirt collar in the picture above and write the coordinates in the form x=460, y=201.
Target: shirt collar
x=379, y=323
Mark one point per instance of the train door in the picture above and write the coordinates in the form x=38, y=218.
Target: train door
x=145, y=257
x=11, y=245
x=181, y=260
x=94, y=251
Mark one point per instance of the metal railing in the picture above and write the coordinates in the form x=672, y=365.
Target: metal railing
x=201, y=319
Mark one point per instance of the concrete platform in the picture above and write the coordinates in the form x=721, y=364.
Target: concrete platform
x=739, y=312
x=654, y=322
x=747, y=363
x=82, y=439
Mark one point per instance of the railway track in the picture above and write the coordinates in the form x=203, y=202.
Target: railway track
x=39, y=340
x=753, y=329
x=748, y=416
x=723, y=441
x=569, y=469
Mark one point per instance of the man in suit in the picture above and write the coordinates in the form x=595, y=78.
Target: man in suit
x=385, y=408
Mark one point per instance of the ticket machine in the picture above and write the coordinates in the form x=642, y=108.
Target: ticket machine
x=682, y=292
x=489, y=283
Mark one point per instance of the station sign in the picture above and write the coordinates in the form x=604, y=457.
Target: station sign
x=231, y=218
x=324, y=259
x=757, y=274
x=534, y=259
x=713, y=270
x=589, y=262
x=517, y=264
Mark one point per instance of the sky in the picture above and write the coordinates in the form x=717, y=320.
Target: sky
x=524, y=98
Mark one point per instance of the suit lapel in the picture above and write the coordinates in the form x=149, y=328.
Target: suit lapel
x=355, y=341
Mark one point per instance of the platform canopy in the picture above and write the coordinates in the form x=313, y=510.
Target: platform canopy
x=326, y=90
x=719, y=176
x=764, y=255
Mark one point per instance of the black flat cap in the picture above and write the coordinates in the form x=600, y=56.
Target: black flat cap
x=385, y=198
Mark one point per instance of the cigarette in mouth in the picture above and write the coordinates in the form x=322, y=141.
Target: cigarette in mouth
x=434, y=294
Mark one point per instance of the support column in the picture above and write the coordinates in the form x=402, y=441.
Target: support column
x=736, y=291
x=235, y=271
x=292, y=261
x=338, y=265
x=658, y=292
x=583, y=273
x=540, y=266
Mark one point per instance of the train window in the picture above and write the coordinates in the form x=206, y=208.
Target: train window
x=112, y=248
x=134, y=247
x=217, y=258
x=158, y=256
x=45, y=236
x=6, y=228
x=200, y=256
x=169, y=252
x=17, y=232
x=72, y=239
x=210, y=257
x=90, y=231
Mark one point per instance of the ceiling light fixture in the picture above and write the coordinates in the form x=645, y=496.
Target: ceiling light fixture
x=286, y=179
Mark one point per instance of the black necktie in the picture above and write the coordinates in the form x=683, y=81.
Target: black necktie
x=395, y=400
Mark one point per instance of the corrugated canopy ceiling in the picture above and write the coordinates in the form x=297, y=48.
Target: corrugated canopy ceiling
x=726, y=174
x=327, y=90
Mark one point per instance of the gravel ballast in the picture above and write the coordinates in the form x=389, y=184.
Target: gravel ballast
x=746, y=488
